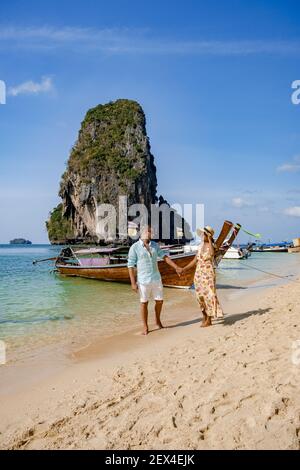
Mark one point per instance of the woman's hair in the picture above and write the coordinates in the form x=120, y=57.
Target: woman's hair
x=212, y=239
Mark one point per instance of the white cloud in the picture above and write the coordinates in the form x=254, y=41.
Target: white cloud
x=292, y=211
x=137, y=41
x=291, y=167
x=32, y=88
x=239, y=203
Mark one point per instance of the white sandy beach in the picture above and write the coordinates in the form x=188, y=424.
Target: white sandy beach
x=233, y=386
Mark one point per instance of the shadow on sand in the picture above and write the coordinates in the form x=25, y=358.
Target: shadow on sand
x=228, y=286
x=230, y=320
x=185, y=323
x=242, y=316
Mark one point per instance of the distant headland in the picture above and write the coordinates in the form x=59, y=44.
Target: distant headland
x=20, y=241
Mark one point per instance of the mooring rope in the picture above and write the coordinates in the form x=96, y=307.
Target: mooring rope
x=271, y=274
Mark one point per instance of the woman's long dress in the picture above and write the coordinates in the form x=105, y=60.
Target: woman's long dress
x=205, y=284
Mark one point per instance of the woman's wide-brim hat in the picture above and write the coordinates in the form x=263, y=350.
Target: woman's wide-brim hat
x=207, y=229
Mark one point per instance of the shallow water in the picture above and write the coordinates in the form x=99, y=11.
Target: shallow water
x=39, y=307
x=251, y=269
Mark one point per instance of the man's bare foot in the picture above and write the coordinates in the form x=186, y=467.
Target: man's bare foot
x=159, y=325
x=145, y=332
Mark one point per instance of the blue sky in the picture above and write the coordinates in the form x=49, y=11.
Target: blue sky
x=213, y=77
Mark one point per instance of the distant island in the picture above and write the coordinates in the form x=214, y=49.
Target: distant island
x=20, y=241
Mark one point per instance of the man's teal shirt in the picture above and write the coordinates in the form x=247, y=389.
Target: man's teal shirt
x=147, y=268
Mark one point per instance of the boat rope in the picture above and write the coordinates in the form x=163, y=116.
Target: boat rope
x=270, y=274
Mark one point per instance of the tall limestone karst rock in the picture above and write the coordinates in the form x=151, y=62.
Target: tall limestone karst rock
x=111, y=157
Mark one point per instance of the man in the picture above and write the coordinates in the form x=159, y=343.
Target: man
x=144, y=254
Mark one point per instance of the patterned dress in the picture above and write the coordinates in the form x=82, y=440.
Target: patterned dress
x=205, y=284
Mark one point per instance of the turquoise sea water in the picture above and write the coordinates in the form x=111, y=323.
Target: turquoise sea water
x=38, y=306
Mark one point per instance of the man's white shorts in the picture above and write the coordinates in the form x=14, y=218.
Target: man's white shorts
x=152, y=290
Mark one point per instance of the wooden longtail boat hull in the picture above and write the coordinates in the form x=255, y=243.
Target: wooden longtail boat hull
x=69, y=263
x=119, y=272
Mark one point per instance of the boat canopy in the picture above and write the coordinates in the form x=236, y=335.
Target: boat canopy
x=90, y=251
x=168, y=247
x=284, y=244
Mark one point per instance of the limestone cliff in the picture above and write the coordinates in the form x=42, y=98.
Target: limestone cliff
x=111, y=157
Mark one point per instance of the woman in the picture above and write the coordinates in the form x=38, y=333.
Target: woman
x=205, y=277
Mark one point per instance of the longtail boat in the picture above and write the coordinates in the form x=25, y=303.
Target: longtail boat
x=110, y=264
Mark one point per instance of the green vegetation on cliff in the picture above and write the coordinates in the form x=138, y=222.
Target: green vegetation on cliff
x=108, y=139
x=59, y=227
